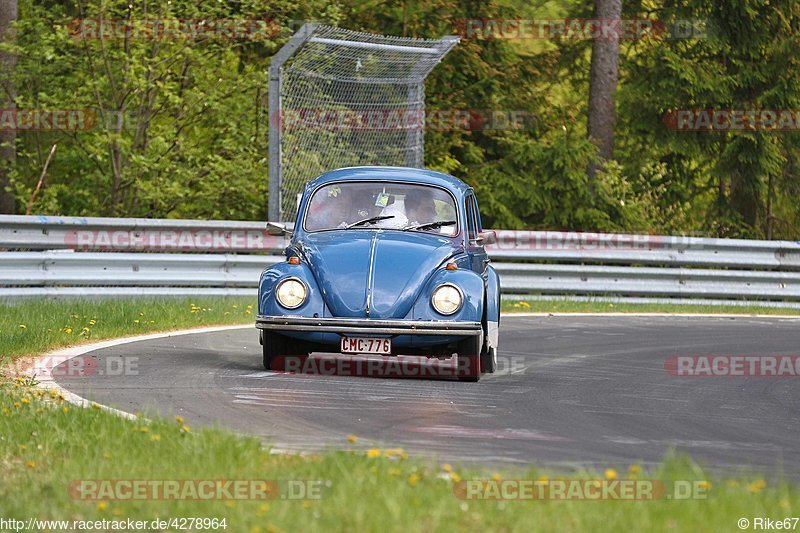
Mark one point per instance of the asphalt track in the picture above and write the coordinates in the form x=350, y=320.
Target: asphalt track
x=587, y=391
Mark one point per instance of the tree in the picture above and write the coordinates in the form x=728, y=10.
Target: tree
x=603, y=77
x=8, y=137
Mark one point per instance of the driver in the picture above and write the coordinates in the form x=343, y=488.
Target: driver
x=420, y=207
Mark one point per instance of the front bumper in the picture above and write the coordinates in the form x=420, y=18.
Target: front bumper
x=366, y=326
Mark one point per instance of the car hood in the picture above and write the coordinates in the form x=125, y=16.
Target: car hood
x=393, y=266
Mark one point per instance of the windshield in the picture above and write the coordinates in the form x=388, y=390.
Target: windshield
x=384, y=205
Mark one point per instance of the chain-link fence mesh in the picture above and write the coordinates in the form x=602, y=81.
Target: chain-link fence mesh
x=350, y=98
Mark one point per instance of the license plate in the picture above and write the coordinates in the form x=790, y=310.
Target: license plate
x=365, y=345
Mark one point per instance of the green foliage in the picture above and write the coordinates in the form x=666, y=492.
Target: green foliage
x=192, y=139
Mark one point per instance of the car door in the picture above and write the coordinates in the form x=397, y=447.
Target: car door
x=477, y=254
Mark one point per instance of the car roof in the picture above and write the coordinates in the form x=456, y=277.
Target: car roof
x=406, y=174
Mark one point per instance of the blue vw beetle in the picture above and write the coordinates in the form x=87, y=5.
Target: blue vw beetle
x=387, y=261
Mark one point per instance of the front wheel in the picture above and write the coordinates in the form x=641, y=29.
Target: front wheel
x=276, y=348
x=488, y=359
x=468, y=360
x=273, y=345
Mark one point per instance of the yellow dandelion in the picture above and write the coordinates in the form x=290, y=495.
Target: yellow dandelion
x=30, y=464
x=230, y=504
x=373, y=452
x=68, y=330
x=23, y=326
x=306, y=504
x=25, y=400
x=155, y=438
x=102, y=506
x=264, y=507
x=757, y=486
x=92, y=322
x=17, y=404
x=95, y=406
x=447, y=468
x=634, y=470
x=179, y=419
x=136, y=321
x=496, y=477
x=185, y=428
x=611, y=473
x=352, y=438
x=413, y=479
x=65, y=409
x=543, y=479
x=454, y=477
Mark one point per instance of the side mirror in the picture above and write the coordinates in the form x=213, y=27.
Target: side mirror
x=487, y=237
x=277, y=229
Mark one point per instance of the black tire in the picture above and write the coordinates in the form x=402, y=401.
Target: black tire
x=469, y=357
x=272, y=346
x=488, y=359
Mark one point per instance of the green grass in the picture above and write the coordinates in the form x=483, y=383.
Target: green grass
x=567, y=306
x=46, y=443
x=33, y=327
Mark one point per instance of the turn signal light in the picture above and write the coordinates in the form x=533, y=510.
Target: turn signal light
x=294, y=260
x=451, y=266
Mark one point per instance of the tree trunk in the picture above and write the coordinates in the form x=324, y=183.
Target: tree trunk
x=603, y=77
x=8, y=138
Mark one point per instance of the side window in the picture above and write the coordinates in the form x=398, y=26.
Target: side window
x=476, y=214
x=472, y=227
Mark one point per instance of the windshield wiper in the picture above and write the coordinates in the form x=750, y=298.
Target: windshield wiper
x=370, y=220
x=431, y=225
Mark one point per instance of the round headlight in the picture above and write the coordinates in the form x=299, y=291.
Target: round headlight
x=446, y=299
x=291, y=293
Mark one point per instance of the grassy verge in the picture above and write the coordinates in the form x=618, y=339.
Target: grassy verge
x=566, y=306
x=45, y=444
x=33, y=327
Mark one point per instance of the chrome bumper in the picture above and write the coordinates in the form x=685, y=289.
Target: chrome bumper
x=365, y=326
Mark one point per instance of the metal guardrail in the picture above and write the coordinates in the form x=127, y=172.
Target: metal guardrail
x=74, y=256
